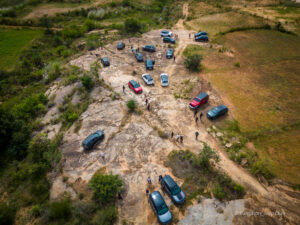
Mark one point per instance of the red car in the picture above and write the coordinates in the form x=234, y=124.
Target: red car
x=136, y=87
x=199, y=100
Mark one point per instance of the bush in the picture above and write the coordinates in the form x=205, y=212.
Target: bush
x=131, y=105
x=87, y=82
x=132, y=26
x=60, y=210
x=7, y=214
x=193, y=62
x=106, y=216
x=237, y=64
x=105, y=187
x=218, y=192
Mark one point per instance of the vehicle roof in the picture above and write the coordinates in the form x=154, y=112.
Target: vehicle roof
x=92, y=136
x=120, y=43
x=170, y=49
x=149, y=61
x=201, y=36
x=133, y=82
x=202, y=95
x=169, y=181
x=164, y=31
x=157, y=198
x=152, y=46
x=220, y=107
x=105, y=59
x=163, y=74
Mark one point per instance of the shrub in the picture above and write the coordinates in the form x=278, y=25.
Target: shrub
x=7, y=214
x=106, y=216
x=96, y=14
x=36, y=211
x=193, y=62
x=131, y=105
x=237, y=64
x=60, y=210
x=87, y=82
x=218, y=192
x=132, y=25
x=105, y=187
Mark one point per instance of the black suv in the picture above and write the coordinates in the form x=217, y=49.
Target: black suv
x=149, y=48
x=92, y=140
x=105, y=61
x=170, y=186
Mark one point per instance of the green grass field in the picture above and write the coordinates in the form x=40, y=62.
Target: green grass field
x=12, y=43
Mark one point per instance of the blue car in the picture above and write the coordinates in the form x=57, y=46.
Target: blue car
x=170, y=53
x=121, y=46
x=170, y=186
x=216, y=112
x=202, y=38
x=149, y=48
x=160, y=208
x=200, y=34
x=105, y=61
x=139, y=57
x=168, y=40
x=149, y=64
x=93, y=140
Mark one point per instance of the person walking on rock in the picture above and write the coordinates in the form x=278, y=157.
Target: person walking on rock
x=178, y=136
x=195, y=112
x=181, y=139
x=196, y=119
x=174, y=58
x=201, y=114
x=149, y=180
x=148, y=106
x=147, y=192
x=197, y=134
x=172, y=135
x=124, y=90
x=146, y=101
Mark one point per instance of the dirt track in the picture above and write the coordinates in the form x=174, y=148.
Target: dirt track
x=132, y=147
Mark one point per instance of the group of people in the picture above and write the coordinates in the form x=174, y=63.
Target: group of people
x=196, y=117
x=178, y=137
x=150, y=182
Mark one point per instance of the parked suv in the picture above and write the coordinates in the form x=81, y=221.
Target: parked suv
x=105, y=61
x=201, y=38
x=170, y=186
x=170, y=53
x=149, y=48
x=135, y=86
x=121, y=46
x=160, y=208
x=168, y=40
x=149, y=64
x=139, y=57
x=216, y=112
x=166, y=33
x=92, y=140
x=199, y=100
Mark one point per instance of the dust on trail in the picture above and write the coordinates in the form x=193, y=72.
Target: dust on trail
x=132, y=146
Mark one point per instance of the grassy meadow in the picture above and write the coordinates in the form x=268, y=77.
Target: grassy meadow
x=12, y=43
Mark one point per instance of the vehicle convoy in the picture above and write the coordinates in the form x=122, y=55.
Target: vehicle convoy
x=164, y=79
x=202, y=38
x=199, y=100
x=148, y=79
x=135, y=86
x=166, y=33
x=201, y=33
x=168, y=40
x=149, y=48
x=216, y=112
x=149, y=64
x=139, y=57
x=105, y=61
x=121, y=45
x=170, y=53
x=92, y=140
x=173, y=190
x=160, y=207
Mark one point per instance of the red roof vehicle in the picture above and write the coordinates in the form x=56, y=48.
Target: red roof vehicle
x=136, y=87
x=199, y=100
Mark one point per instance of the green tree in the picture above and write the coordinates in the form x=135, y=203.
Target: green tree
x=87, y=82
x=105, y=187
x=132, y=25
x=193, y=62
x=131, y=105
x=7, y=214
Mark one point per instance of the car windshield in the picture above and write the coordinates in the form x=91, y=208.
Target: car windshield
x=197, y=99
x=162, y=209
x=165, y=31
x=175, y=190
x=148, y=77
x=164, y=78
x=135, y=85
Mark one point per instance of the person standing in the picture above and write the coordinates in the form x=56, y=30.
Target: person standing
x=147, y=192
x=178, y=136
x=148, y=106
x=124, y=90
x=174, y=58
x=201, y=114
x=181, y=139
x=146, y=101
x=196, y=119
x=149, y=180
x=172, y=135
x=195, y=112
x=197, y=134
x=189, y=36
x=102, y=155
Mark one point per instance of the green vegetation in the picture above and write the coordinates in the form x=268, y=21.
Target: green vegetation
x=131, y=105
x=12, y=43
x=193, y=62
x=200, y=177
